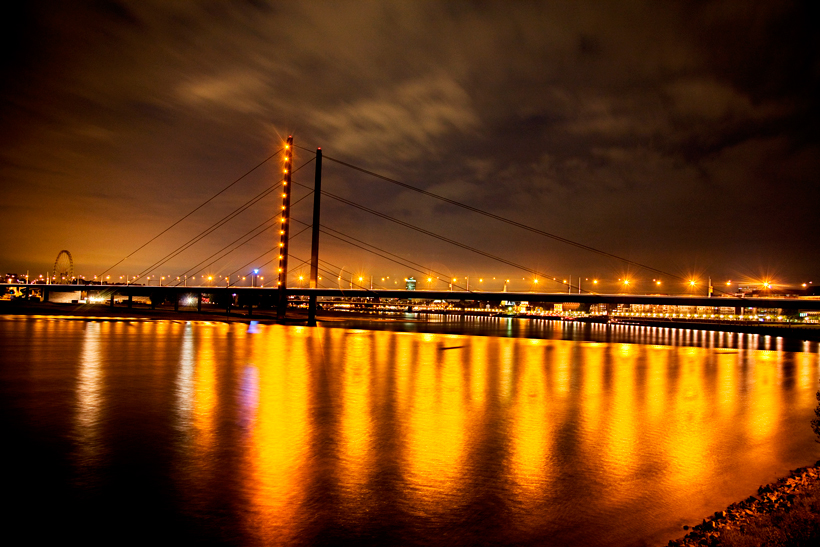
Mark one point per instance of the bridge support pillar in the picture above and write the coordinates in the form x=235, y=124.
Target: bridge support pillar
x=45, y=295
x=199, y=303
x=176, y=301
x=112, y=299
x=284, y=230
x=130, y=301
x=314, y=248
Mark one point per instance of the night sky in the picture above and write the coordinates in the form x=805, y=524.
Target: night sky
x=681, y=135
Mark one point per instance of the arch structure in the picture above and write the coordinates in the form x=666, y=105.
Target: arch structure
x=63, y=271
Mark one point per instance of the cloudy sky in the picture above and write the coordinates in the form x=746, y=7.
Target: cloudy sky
x=680, y=135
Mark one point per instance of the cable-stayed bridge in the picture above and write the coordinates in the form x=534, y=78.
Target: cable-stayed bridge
x=277, y=295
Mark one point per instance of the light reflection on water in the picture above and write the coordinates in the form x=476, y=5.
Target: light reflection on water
x=288, y=435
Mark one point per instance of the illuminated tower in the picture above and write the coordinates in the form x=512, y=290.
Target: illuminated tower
x=284, y=230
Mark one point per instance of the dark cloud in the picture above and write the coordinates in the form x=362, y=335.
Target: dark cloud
x=673, y=133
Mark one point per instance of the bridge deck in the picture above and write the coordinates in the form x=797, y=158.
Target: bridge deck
x=556, y=298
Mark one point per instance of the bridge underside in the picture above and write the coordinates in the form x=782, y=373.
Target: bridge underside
x=257, y=293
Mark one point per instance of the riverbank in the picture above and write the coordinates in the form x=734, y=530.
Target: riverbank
x=167, y=313
x=785, y=330
x=784, y=513
x=679, y=333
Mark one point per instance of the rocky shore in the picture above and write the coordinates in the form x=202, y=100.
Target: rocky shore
x=789, y=502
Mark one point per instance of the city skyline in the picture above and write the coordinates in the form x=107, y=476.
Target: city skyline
x=681, y=137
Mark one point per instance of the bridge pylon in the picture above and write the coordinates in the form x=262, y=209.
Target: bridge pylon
x=314, y=247
x=284, y=231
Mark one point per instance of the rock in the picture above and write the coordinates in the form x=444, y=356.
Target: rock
x=685, y=526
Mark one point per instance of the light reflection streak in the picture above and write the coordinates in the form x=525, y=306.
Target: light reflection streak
x=687, y=449
x=533, y=468
x=592, y=391
x=276, y=480
x=185, y=380
x=619, y=435
x=356, y=431
x=763, y=405
x=657, y=364
x=90, y=400
x=204, y=398
x=560, y=368
x=727, y=385
x=478, y=373
x=436, y=431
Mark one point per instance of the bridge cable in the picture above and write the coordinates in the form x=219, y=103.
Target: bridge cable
x=217, y=224
x=260, y=164
x=445, y=239
x=268, y=251
x=186, y=272
x=497, y=217
x=207, y=231
x=422, y=269
x=238, y=246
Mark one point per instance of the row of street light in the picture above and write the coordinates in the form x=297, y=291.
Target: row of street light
x=572, y=284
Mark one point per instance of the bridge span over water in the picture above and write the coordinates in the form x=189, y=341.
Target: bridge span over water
x=255, y=295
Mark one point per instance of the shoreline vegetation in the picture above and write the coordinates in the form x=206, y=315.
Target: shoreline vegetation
x=785, y=513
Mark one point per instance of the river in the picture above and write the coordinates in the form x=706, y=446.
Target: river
x=140, y=431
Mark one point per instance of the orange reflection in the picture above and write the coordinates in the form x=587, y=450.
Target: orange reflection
x=592, y=390
x=764, y=397
x=356, y=427
x=185, y=379
x=204, y=397
x=436, y=428
x=478, y=373
x=725, y=398
x=279, y=439
x=657, y=363
x=620, y=433
x=90, y=393
x=687, y=447
x=533, y=430
x=560, y=368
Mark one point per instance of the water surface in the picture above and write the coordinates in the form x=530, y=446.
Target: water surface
x=216, y=433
